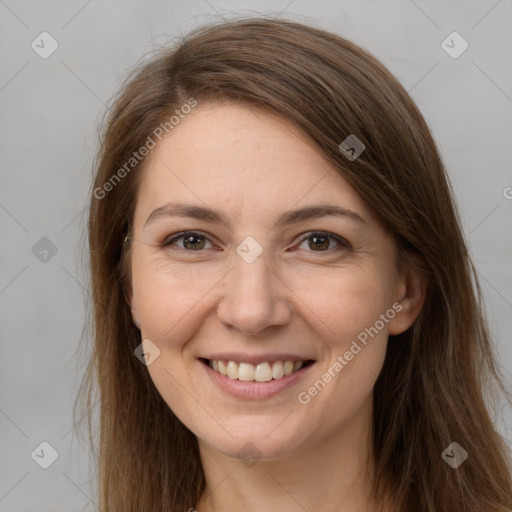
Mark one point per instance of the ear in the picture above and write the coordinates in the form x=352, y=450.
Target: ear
x=129, y=299
x=410, y=294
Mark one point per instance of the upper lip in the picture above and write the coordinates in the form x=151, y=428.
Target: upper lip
x=255, y=358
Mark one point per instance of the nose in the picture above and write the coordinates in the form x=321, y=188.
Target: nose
x=254, y=297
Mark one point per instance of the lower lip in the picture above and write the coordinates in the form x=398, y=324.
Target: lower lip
x=252, y=390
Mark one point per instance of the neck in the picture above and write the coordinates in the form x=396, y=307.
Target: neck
x=334, y=475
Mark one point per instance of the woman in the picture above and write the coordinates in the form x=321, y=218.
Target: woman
x=284, y=309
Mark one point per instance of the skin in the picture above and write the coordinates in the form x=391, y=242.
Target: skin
x=294, y=298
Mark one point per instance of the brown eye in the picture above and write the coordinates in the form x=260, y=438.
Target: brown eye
x=318, y=242
x=322, y=242
x=194, y=242
x=191, y=241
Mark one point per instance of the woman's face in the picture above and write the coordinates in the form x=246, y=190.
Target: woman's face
x=286, y=266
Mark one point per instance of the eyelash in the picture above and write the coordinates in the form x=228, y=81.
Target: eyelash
x=341, y=241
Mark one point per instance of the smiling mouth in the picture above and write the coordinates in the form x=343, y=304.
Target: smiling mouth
x=264, y=371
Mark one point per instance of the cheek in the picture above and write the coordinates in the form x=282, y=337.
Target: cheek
x=166, y=300
x=343, y=304
x=350, y=314
x=351, y=318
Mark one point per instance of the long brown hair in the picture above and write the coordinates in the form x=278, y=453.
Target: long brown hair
x=438, y=375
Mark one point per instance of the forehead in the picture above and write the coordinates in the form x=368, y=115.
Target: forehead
x=230, y=156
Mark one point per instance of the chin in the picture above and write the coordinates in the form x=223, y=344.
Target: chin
x=265, y=440
x=250, y=449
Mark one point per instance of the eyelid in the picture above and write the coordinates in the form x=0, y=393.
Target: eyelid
x=170, y=240
x=343, y=242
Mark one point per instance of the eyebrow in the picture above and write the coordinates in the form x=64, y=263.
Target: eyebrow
x=206, y=214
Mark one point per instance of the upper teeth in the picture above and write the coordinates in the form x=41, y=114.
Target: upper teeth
x=261, y=372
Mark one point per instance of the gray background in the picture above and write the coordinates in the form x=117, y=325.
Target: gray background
x=50, y=111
